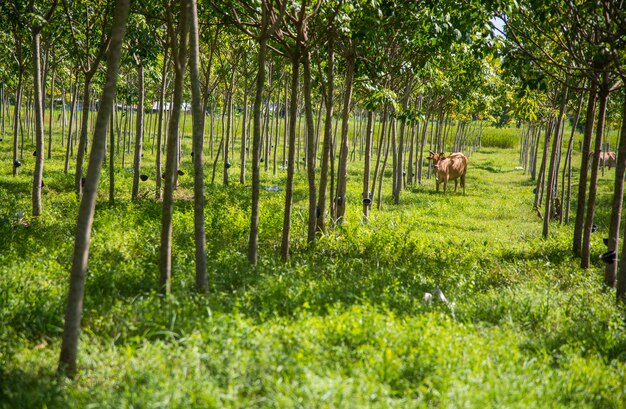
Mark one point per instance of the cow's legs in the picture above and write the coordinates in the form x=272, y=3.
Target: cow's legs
x=463, y=183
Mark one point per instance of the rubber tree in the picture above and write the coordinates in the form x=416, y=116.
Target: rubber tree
x=296, y=41
x=327, y=27
x=88, y=21
x=36, y=28
x=71, y=327
x=259, y=24
x=12, y=13
x=177, y=27
x=294, y=54
x=578, y=48
x=142, y=52
x=197, y=111
x=616, y=275
x=610, y=272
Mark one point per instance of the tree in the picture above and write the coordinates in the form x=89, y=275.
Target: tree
x=178, y=45
x=142, y=52
x=265, y=25
x=71, y=328
x=581, y=47
x=89, y=43
x=198, y=148
x=35, y=29
x=14, y=12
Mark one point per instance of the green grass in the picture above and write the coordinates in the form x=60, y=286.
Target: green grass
x=343, y=325
x=504, y=138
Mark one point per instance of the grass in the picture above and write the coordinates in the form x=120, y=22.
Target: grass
x=343, y=325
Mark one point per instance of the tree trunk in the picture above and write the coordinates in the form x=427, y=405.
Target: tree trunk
x=379, y=191
x=71, y=328
x=82, y=141
x=139, y=134
x=244, y=132
x=179, y=57
x=584, y=172
x=291, y=155
x=51, y=115
x=381, y=145
x=16, y=120
x=229, y=99
x=342, y=173
x=310, y=157
x=328, y=135
x=541, y=178
x=112, y=156
x=610, y=272
x=553, y=171
x=253, y=240
x=70, y=131
x=399, y=168
x=159, y=142
x=367, y=199
x=202, y=280
x=422, y=145
x=603, y=96
x=39, y=133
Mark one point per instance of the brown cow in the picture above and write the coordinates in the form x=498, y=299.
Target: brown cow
x=452, y=167
x=606, y=159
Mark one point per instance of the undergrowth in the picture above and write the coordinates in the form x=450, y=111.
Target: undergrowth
x=344, y=324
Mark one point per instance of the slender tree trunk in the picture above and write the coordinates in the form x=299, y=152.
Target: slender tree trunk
x=202, y=280
x=399, y=169
x=51, y=115
x=266, y=31
x=253, y=241
x=367, y=199
x=381, y=147
x=39, y=137
x=70, y=139
x=179, y=56
x=159, y=142
x=16, y=121
x=603, y=96
x=139, y=130
x=244, y=132
x=82, y=141
x=542, y=169
x=610, y=273
x=584, y=173
x=567, y=166
x=310, y=157
x=553, y=171
x=379, y=191
x=291, y=155
x=229, y=99
x=342, y=173
x=112, y=156
x=71, y=328
x=422, y=145
x=328, y=135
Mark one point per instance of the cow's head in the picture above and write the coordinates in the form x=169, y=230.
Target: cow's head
x=436, y=157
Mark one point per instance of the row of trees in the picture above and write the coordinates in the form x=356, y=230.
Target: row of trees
x=566, y=55
x=400, y=71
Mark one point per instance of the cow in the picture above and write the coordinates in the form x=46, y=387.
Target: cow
x=606, y=159
x=447, y=168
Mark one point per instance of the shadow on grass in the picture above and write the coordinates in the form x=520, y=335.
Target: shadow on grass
x=21, y=389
